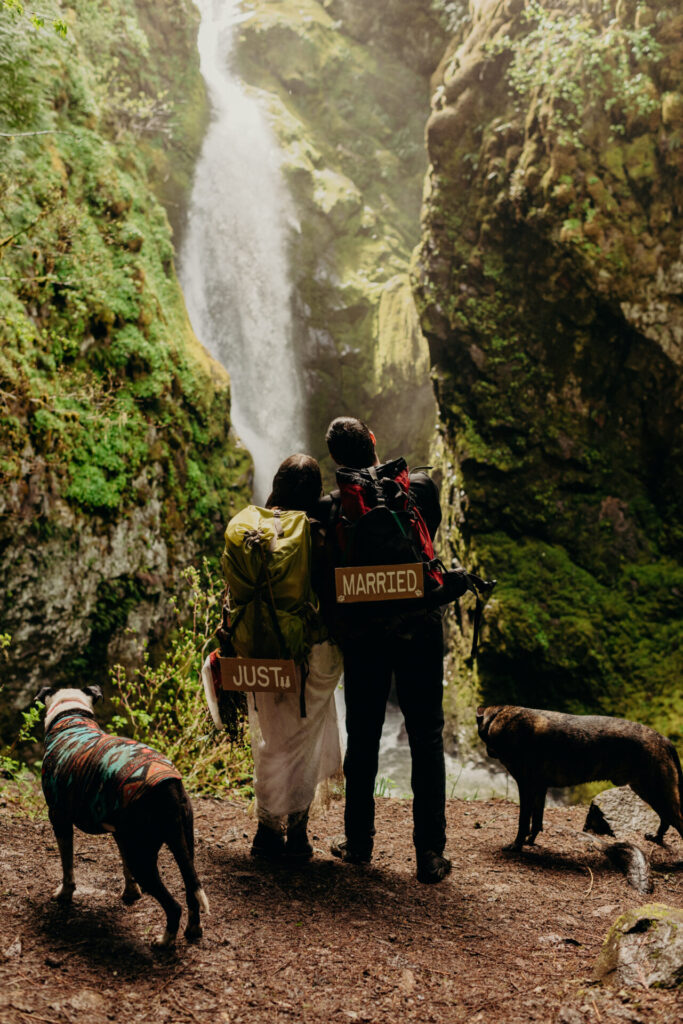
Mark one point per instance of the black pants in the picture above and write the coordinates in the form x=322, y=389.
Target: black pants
x=417, y=664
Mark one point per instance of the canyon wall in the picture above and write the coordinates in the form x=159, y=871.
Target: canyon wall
x=117, y=464
x=549, y=282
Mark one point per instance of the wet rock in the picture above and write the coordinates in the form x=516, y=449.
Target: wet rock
x=644, y=948
x=617, y=811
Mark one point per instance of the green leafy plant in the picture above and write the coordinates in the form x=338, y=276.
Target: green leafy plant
x=454, y=13
x=563, y=63
x=164, y=705
x=18, y=781
x=36, y=19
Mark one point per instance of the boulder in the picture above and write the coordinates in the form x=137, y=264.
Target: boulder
x=617, y=811
x=644, y=947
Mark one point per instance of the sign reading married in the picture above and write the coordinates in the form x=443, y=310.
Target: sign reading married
x=379, y=582
x=259, y=675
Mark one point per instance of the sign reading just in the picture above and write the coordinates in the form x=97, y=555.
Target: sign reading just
x=259, y=675
x=379, y=582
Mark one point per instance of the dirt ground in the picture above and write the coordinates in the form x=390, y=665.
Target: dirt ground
x=507, y=938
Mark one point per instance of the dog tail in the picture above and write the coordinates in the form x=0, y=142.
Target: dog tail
x=630, y=859
x=677, y=762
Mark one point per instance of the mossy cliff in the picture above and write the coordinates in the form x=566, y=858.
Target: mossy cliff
x=117, y=465
x=347, y=87
x=549, y=283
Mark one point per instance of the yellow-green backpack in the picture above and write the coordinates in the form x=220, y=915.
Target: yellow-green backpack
x=267, y=566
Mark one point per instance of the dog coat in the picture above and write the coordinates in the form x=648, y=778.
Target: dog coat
x=89, y=776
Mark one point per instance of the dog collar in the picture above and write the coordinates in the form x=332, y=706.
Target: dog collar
x=68, y=705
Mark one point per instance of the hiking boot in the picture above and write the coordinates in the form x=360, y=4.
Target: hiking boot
x=432, y=867
x=268, y=844
x=340, y=847
x=298, y=848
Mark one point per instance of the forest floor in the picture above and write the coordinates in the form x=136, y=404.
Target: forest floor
x=505, y=939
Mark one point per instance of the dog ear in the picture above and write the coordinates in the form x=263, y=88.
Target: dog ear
x=484, y=718
x=95, y=692
x=43, y=692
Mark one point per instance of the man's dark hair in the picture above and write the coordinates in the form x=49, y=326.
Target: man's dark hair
x=350, y=443
x=297, y=485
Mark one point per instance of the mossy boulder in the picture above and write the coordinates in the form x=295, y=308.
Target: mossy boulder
x=644, y=947
x=548, y=284
x=117, y=463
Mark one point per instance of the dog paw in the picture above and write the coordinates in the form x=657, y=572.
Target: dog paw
x=194, y=932
x=659, y=840
x=512, y=847
x=63, y=893
x=164, y=941
x=131, y=894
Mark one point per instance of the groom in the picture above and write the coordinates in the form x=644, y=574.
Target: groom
x=410, y=649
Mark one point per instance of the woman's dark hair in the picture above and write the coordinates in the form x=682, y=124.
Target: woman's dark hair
x=297, y=485
x=350, y=443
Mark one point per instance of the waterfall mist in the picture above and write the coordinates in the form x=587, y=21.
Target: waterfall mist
x=233, y=261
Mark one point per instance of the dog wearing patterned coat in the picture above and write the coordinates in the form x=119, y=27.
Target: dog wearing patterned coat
x=104, y=783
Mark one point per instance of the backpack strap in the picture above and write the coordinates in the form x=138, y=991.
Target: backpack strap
x=478, y=586
x=270, y=604
x=226, y=630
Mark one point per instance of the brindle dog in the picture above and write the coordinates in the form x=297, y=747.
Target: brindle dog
x=548, y=748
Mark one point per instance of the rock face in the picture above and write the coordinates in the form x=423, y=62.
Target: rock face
x=549, y=286
x=644, y=948
x=346, y=84
x=117, y=464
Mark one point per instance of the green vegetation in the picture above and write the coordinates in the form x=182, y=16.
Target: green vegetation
x=558, y=635
x=162, y=705
x=567, y=65
x=99, y=367
x=18, y=781
x=165, y=707
x=114, y=422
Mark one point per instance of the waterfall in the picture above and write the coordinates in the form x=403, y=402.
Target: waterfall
x=233, y=261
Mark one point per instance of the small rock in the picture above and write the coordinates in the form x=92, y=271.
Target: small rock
x=618, y=810
x=644, y=947
x=551, y=939
x=407, y=982
x=569, y=1015
x=14, y=949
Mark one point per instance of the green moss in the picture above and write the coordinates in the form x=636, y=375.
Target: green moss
x=108, y=399
x=558, y=637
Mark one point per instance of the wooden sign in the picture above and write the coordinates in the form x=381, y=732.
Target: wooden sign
x=379, y=582
x=259, y=675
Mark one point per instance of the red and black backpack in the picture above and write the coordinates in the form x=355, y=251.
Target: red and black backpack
x=379, y=523
x=375, y=520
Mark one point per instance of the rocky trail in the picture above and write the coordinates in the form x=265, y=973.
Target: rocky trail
x=506, y=938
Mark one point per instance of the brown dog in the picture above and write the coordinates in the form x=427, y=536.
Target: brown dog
x=548, y=748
